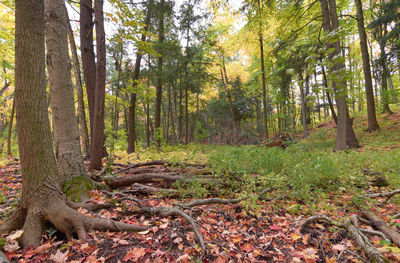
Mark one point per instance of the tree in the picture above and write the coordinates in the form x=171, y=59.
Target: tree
x=79, y=90
x=42, y=199
x=345, y=134
x=88, y=58
x=372, y=122
x=159, y=85
x=97, y=145
x=135, y=78
x=66, y=132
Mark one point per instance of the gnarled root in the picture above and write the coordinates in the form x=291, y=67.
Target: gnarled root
x=352, y=229
x=63, y=217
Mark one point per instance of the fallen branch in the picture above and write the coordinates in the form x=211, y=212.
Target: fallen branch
x=388, y=195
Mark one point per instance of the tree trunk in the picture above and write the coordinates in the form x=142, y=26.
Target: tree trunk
x=10, y=127
x=328, y=96
x=157, y=117
x=135, y=78
x=385, y=95
x=345, y=133
x=87, y=53
x=66, y=132
x=372, y=121
x=97, y=145
x=303, y=105
x=230, y=103
x=84, y=133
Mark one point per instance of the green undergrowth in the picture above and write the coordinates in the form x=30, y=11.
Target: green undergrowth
x=307, y=171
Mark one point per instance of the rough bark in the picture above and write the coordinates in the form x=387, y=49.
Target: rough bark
x=157, y=117
x=372, y=121
x=88, y=58
x=97, y=145
x=84, y=133
x=66, y=132
x=135, y=78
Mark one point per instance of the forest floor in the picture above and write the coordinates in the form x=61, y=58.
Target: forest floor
x=306, y=179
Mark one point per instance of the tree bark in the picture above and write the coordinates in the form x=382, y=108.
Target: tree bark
x=97, y=145
x=135, y=78
x=66, y=132
x=157, y=117
x=84, y=133
x=372, y=121
x=88, y=58
x=384, y=77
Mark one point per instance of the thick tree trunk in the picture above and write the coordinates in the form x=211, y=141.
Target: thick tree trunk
x=97, y=145
x=88, y=58
x=66, y=132
x=157, y=117
x=135, y=78
x=84, y=133
x=372, y=121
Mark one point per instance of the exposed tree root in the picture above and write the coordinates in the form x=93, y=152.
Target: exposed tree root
x=89, y=206
x=392, y=234
x=388, y=195
x=166, y=179
x=157, y=162
x=146, y=189
x=352, y=229
x=61, y=216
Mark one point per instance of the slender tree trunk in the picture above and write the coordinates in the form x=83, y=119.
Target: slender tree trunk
x=135, y=78
x=385, y=95
x=372, y=121
x=10, y=127
x=391, y=87
x=97, y=145
x=186, y=115
x=87, y=53
x=84, y=133
x=159, y=84
x=303, y=105
x=230, y=103
x=328, y=94
x=66, y=132
x=375, y=84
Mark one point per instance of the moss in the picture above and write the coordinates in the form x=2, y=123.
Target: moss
x=2, y=242
x=77, y=189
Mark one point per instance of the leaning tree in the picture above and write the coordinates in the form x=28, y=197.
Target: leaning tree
x=42, y=200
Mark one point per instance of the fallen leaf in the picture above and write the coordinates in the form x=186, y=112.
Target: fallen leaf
x=59, y=257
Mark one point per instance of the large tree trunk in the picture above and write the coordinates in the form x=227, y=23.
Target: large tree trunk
x=84, y=133
x=345, y=133
x=66, y=132
x=157, y=117
x=97, y=145
x=88, y=59
x=135, y=78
